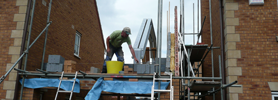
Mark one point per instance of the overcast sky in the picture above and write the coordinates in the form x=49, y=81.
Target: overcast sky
x=117, y=14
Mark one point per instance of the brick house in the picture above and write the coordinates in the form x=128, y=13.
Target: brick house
x=249, y=46
x=71, y=19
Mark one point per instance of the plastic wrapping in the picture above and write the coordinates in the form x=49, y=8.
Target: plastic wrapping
x=121, y=87
x=45, y=82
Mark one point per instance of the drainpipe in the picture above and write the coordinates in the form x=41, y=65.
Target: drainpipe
x=16, y=91
x=28, y=43
x=222, y=48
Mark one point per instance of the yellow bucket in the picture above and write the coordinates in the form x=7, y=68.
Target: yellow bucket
x=114, y=67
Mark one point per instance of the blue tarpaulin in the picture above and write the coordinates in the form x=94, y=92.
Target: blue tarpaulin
x=121, y=87
x=45, y=82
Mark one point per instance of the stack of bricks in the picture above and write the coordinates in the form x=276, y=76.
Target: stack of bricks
x=128, y=70
x=69, y=66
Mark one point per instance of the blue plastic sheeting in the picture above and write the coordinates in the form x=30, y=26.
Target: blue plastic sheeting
x=121, y=87
x=45, y=82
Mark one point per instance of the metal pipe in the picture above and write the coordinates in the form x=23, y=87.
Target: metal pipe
x=4, y=76
x=19, y=70
x=168, y=19
x=201, y=62
x=28, y=42
x=198, y=17
x=182, y=67
x=82, y=72
x=160, y=40
x=157, y=49
x=113, y=76
x=187, y=56
x=42, y=71
x=46, y=32
x=202, y=27
x=158, y=35
x=221, y=84
x=167, y=22
x=193, y=26
x=25, y=52
x=222, y=47
x=40, y=34
x=188, y=75
x=220, y=88
x=189, y=33
x=182, y=17
x=211, y=42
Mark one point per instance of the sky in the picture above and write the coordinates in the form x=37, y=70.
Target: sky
x=117, y=14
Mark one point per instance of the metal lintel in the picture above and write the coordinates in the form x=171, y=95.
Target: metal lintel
x=145, y=33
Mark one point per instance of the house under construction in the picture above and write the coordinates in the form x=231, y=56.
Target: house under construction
x=232, y=57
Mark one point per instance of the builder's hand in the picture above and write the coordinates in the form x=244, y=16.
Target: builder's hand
x=108, y=50
x=136, y=60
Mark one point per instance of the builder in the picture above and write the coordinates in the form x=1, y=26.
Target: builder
x=114, y=42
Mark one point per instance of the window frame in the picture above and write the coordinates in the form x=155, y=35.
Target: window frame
x=77, y=34
x=273, y=95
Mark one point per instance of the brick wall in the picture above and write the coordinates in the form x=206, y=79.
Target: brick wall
x=250, y=46
x=257, y=29
x=68, y=17
x=30, y=94
x=10, y=26
x=51, y=93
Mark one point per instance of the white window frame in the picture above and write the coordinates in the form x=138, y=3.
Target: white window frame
x=274, y=94
x=77, y=35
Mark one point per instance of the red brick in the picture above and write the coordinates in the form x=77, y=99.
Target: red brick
x=133, y=80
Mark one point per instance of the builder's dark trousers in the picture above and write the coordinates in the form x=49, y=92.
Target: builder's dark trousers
x=113, y=50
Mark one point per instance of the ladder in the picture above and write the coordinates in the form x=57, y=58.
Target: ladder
x=63, y=91
x=159, y=90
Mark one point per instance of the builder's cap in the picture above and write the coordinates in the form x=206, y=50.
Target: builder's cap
x=127, y=30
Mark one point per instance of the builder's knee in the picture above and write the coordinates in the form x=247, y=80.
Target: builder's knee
x=120, y=58
x=107, y=58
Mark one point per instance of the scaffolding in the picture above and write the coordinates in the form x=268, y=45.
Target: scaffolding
x=189, y=55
